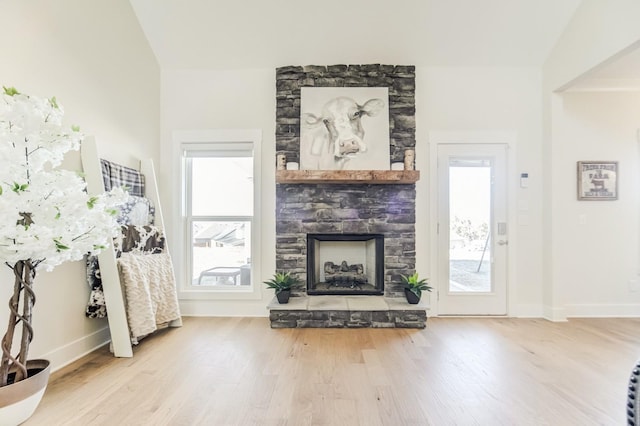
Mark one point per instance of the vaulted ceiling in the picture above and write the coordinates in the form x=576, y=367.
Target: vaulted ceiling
x=216, y=34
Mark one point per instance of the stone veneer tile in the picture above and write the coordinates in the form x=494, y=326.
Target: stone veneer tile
x=366, y=303
x=346, y=208
x=327, y=303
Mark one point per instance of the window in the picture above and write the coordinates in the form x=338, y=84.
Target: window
x=220, y=202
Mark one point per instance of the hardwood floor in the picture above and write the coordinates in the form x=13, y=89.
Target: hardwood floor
x=458, y=371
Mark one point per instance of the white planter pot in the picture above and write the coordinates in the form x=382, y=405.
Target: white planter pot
x=19, y=400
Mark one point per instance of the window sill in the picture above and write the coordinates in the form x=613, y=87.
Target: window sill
x=211, y=293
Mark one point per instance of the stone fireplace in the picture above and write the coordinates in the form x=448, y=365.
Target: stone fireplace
x=339, y=212
x=346, y=233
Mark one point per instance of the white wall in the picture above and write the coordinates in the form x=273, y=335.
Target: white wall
x=598, y=32
x=205, y=100
x=597, y=259
x=448, y=99
x=95, y=59
x=486, y=101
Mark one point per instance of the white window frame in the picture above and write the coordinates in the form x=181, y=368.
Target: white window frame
x=215, y=141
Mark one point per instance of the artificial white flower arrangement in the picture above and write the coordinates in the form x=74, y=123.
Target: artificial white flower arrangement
x=46, y=215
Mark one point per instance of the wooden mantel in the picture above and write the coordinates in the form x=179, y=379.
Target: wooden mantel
x=348, y=176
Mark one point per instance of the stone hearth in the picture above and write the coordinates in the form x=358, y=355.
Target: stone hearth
x=346, y=312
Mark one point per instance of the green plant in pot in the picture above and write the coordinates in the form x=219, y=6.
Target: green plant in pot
x=413, y=287
x=282, y=283
x=46, y=218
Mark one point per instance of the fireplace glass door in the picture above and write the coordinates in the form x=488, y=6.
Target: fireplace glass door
x=345, y=264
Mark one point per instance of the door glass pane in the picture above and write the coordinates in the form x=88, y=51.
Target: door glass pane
x=221, y=253
x=222, y=186
x=469, y=222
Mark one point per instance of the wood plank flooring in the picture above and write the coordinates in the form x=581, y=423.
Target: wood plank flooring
x=457, y=371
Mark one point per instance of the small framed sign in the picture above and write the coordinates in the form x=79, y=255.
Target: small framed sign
x=597, y=180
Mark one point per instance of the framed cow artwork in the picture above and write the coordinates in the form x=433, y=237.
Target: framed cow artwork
x=344, y=128
x=597, y=180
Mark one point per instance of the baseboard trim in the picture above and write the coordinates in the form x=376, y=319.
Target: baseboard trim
x=72, y=351
x=603, y=311
x=527, y=311
x=554, y=314
x=218, y=308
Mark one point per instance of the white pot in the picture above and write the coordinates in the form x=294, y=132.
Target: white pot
x=19, y=400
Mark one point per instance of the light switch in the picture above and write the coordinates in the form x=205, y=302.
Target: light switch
x=502, y=228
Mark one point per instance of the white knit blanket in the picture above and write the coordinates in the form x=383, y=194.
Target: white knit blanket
x=150, y=293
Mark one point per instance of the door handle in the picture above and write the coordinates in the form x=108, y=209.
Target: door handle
x=502, y=242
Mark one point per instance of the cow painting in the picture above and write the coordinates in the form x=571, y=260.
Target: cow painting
x=333, y=136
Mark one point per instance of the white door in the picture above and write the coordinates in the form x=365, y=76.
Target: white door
x=472, y=229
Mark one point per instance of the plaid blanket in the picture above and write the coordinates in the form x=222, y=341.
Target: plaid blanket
x=116, y=175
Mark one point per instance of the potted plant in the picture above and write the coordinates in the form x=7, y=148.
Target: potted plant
x=282, y=283
x=413, y=287
x=46, y=218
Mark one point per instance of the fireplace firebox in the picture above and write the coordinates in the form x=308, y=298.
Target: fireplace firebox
x=345, y=264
